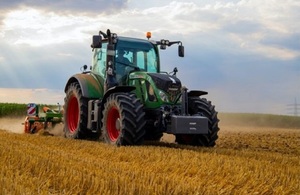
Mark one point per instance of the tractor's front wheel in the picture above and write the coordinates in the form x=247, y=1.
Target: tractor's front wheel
x=123, y=120
x=200, y=106
x=75, y=113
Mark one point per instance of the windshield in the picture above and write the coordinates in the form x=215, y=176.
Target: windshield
x=140, y=54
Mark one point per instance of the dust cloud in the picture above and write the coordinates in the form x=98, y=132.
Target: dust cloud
x=57, y=130
x=13, y=124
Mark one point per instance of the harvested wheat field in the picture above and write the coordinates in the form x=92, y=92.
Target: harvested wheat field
x=246, y=160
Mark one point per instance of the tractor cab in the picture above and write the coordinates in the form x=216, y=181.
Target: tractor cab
x=116, y=57
x=130, y=55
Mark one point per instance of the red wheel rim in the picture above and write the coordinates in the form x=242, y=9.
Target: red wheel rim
x=73, y=114
x=113, y=126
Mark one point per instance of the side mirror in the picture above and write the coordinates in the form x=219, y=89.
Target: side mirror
x=181, y=51
x=97, y=41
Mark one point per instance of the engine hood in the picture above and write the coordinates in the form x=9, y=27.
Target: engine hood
x=164, y=81
x=168, y=83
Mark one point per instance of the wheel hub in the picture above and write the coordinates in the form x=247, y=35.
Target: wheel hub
x=118, y=124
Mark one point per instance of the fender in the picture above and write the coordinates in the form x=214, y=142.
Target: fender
x=110, y=91
x=196, y=93
x=185, y=95
x=90, y=86
x=116, y=89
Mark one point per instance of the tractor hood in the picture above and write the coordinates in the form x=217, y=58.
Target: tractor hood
x=165, y=82
x=168, y=83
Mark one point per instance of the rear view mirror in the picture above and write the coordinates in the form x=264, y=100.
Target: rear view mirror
x=97, y=41
x=181, y=51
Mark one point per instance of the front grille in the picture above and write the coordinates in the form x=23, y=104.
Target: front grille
x=169, y=84
x=173, y=93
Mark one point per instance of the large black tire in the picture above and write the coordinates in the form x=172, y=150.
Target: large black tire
x=200, y=106
x=75, y=113
x=123, y=120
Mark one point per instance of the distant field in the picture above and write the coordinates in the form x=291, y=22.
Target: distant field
x=260, y=120
x=12, y=109
x=245, y=161
x=15, y=110
x=240, y=119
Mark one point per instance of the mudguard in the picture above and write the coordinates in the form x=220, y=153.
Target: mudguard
x=112, y=90
x=196, y=93
x=116, y=89
x=90, y=86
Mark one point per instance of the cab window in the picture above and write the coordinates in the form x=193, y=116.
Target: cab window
x=99, y=60
x=147, y=61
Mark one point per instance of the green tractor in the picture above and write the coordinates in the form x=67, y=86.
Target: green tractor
x=125, y=99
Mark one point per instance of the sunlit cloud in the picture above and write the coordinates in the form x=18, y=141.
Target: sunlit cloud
x=65, y=7
x=38, y=28
x=252, y=43
x=65, y=54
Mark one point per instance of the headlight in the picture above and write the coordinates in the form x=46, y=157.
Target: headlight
x=150, y=92
x=163, y=96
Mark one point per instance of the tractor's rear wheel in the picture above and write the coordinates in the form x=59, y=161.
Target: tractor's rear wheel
x=123, y=120
x=200, y=106
x=75, y=113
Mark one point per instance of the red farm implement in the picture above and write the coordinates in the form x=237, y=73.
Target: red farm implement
x=35, y=121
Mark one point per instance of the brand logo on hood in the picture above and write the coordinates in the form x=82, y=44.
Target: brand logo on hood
x=173, y=80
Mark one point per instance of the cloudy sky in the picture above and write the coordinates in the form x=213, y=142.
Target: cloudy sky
x=245, y=53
